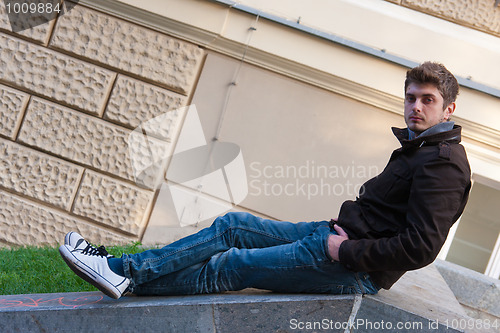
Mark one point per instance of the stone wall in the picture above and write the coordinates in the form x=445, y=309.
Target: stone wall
x=71, y=93
x=483, y=15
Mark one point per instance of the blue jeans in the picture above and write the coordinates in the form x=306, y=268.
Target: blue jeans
x=240, y=251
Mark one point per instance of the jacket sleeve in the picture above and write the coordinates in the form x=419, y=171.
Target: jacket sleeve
x=438, y=194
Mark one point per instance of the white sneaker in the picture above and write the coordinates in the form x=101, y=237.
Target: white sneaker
x=91, y=264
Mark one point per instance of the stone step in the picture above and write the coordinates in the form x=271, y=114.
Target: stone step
x=420, y=302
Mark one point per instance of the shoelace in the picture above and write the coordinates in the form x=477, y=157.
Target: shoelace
x=95, y=251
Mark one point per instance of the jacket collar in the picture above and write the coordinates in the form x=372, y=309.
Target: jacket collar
x=452, y=136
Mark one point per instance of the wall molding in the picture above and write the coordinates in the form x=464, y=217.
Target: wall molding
x=213, y=41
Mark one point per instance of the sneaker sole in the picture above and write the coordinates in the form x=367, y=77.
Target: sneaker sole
x=76, y=266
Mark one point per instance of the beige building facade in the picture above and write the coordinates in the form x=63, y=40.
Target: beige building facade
x=99, y=103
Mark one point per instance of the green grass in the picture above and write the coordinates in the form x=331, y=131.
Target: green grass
x=32, y=270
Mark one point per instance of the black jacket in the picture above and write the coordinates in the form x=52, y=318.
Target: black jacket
x=402, y=217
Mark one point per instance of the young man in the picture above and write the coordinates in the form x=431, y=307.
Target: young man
x=399, y=223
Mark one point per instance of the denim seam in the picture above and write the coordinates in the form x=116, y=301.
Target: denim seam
x=360, y=284
x=327, y=254
x=126, y=270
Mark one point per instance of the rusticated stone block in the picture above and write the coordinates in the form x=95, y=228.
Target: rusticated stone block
x=131, y=48
x=12, y=106
x=90, y=141
x=133, y=103
x=39, y=33
x=111, y=202
x=56, y=76
x=37, y=175
x=478, y=14
x=24, y=222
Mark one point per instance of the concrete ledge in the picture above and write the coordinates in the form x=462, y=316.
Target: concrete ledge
x=420, y=302
x=421, y=298
x=478, y=293
x=94, y=312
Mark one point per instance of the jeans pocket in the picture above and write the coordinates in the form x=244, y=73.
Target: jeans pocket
x=325, y=234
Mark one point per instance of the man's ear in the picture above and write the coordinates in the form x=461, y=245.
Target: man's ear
x=449, y=110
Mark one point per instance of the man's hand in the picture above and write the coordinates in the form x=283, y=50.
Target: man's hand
x=334, y=242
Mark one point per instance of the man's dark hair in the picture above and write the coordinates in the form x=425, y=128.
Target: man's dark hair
x=434, y=73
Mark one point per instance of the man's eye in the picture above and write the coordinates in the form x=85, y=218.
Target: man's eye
x=429, y=100
x=410, y=98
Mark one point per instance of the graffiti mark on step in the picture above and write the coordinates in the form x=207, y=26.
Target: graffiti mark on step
x=70, y=301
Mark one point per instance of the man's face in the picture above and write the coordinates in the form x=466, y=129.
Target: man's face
x=424, y=107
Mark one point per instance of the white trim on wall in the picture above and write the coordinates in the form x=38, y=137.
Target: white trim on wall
x=213, y=41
